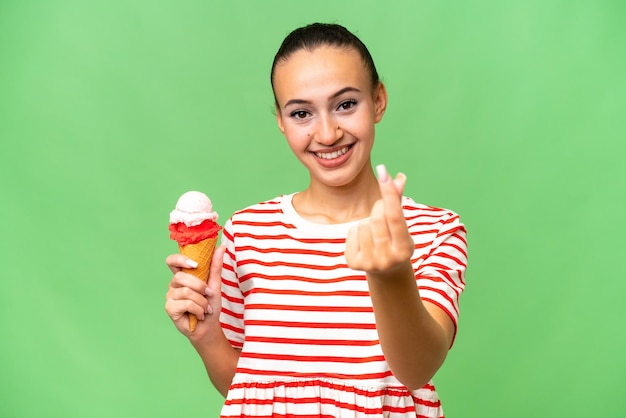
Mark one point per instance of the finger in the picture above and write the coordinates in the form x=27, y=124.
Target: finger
x=352, y=246
x=215, y=272
x=378, y=228
x=186, y=287
x=388, y=189
x=359, y=246
x=391, y=191
x=177, y=309
x=391, y=196
x=176, y=262
x=213, y=288
x=182, y=279
x=174, y=310
x=396, y=220
x=366, y=241
x=399, y=182
x=196, y=294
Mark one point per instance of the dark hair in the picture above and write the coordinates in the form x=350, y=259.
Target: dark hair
x=315, y=35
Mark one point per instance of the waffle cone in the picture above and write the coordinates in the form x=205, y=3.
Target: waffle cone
x=201, y=253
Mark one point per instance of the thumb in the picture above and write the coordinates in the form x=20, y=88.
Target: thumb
x=399, y=182
x=215, y=272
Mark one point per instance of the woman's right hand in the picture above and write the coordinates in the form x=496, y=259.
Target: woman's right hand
x=186, y=293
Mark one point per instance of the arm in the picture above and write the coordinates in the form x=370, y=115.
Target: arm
x=219, y=358
x=187, y=293
x=414, y=334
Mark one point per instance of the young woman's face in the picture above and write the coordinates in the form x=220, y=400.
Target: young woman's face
x=327, y=109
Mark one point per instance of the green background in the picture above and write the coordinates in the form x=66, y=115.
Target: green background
x=509, y=112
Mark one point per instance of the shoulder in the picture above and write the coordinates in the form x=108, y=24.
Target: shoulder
x=413, y=209
x=424, y=218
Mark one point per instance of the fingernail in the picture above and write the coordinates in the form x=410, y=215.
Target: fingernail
x=400, y=178
x=208, y=291
x=399, y=182
x=383, y=177
x=191, y=263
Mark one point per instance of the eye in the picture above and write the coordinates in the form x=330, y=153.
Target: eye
x=347, y=104
x=299, y=114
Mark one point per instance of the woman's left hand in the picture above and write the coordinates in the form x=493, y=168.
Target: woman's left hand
x=381, y=245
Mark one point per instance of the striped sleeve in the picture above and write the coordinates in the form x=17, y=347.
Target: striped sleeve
x=441, y=243
x=231, y=316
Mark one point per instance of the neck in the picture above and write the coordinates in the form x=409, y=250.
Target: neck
x=330, y=205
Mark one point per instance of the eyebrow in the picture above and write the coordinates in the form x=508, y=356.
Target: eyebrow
x=337, y=94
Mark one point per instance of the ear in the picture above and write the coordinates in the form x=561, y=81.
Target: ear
x=279, y=120
x=380, y=102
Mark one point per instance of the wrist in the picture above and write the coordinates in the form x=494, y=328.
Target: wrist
x=402, y=272
x=207, y=335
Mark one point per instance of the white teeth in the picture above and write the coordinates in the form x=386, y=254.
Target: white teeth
x=331, y=155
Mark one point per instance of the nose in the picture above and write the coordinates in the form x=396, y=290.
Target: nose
x=328, y=131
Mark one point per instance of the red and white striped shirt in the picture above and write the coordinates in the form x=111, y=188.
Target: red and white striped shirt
x=304, y=320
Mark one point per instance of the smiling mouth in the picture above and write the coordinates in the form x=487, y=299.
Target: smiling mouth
x=334, y=154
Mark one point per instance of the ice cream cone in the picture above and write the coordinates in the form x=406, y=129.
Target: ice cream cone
x=201, y=253
x=193, y=226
